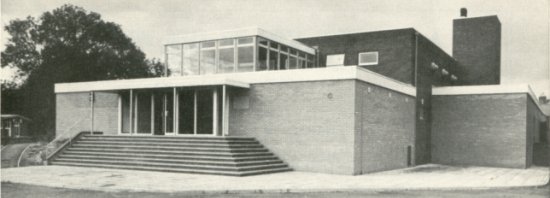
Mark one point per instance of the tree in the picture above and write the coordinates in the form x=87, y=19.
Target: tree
x=68, y=44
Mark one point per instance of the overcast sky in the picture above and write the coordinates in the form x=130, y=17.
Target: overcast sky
x=525, y=24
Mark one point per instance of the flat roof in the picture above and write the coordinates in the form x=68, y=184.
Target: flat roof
x=489, y=89
x=148, y=83
x=7, y=116
x=244, y=32
x=244, y=80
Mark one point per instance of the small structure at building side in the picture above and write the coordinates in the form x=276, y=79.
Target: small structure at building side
x=14, y=125
x=15, y=128
x=344, y=104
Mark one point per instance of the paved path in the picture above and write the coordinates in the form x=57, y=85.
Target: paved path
x=11, y=153
x=32, y=191
x=421, y=177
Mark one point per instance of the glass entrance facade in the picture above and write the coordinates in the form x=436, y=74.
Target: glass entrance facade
x=171, y=111
x=243, y=54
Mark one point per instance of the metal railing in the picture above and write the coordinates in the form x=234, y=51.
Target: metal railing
x=61, y=136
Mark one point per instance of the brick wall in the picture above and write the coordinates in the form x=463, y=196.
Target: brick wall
x=106, y=113
x=476, y=46
x=394, y=49
x=480, y=130
x=538, y=149
x=309, y=125
x=73, y=113
x=385, y=127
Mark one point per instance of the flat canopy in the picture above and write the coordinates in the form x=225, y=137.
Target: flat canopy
x=11, y=116
x=148, y=83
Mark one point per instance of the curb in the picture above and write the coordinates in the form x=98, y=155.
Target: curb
x=285, y=191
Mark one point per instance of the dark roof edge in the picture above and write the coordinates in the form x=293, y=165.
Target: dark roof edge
x=351, y=33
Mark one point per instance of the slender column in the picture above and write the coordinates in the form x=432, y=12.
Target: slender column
x=224, y=111
x=174, y=111
x=119, y=113
x=195, y=112
x=131, y=118
x=91, y=112
x=152, y=113
x=136, y=112
x=215, y=112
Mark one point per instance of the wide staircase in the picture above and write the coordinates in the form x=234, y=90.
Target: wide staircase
x=235, y=156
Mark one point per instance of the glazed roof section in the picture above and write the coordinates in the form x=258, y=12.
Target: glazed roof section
x=236, y=33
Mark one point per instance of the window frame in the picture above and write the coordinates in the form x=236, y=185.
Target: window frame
x=370, y=63
x=333, y=65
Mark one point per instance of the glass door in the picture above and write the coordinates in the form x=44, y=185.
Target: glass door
x=205, y=109
x=196, y=115
x=186, y=112
x=169, y=113
x=143, y=113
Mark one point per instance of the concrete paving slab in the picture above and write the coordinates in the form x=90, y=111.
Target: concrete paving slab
x=420, y=177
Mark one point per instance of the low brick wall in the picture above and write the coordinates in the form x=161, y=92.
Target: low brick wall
x=73, y=113
x=480, y=130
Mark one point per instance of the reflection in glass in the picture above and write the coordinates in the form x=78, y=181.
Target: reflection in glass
x=283, y=61
x=227, y=60
x=246, y=40
x=262, y=41
x=226, y=42
x=273, y=60
x=246, y=59
x=292, y=63
x=190, y=59
x=173, y=56
x=208, y=61
x=262, y=59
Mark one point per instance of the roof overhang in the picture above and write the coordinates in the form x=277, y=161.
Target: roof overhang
x=148, y=83
x=244, y=80
x=8, y=116
x=207, y=36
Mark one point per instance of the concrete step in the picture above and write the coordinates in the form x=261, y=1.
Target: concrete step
x=190, y=153
x=237, y=156
x=158, y=143
x=177, y=161
x=268, y=156
x=174, y=148
x=228, y=138
x=163, y=169
x=173, y=165
x=164, y=140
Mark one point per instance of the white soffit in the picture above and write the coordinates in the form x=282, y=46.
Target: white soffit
x=244, y=80
x=207, y=36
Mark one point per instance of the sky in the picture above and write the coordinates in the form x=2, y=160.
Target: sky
x=525, y=24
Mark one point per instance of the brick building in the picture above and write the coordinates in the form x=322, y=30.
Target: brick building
x=247, y=101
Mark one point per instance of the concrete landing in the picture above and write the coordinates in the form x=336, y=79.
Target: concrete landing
x=420, y=177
